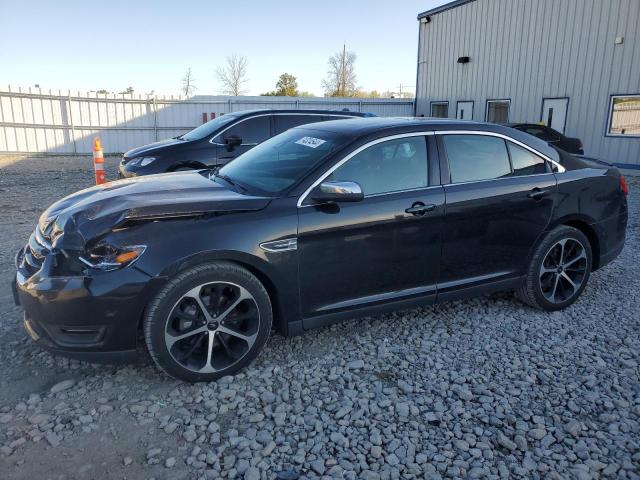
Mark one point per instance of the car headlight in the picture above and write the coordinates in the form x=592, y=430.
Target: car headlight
x=141, y=161
x=107, y=257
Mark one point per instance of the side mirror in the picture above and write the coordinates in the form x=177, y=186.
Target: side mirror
x=337, y=192
x=232, y=142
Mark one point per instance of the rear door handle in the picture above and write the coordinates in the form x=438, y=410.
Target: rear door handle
x=420, y=208
x=537, y=194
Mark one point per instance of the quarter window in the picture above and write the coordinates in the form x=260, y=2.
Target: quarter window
x=251, y=131
x=525, y=162
x=498, y=111
x=389, y=166
x=624, y=116
x=440, y=109
x=476, y=157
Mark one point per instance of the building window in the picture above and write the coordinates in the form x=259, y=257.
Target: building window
x=440, y=109
x=624, y=116
x=498, y=111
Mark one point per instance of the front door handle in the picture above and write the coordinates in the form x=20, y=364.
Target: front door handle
x=420, y=208
x=537, y=194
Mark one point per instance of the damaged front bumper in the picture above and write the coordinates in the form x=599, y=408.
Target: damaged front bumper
x=94, y=317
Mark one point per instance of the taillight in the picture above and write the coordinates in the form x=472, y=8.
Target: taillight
x=624, y=186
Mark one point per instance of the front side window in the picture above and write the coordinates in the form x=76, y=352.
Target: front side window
x=251, y=131
x=498, y=111
x=390, y=166
x=476, y=157
x=280, y=162
x=525, y=162
x=624, y=116
x=440, y=109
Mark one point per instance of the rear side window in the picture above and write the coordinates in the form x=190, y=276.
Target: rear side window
x=476, y=157
x=525, y=162
x=390, y=166
x=252, y=131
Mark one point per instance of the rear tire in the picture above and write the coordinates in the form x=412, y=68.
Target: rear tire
x=559, y=270
x=207, y=322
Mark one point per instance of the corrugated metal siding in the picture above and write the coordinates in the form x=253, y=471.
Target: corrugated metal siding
x=66, y=124
x=527, y=50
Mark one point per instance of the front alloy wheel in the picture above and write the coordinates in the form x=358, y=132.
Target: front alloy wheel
x=208, y=322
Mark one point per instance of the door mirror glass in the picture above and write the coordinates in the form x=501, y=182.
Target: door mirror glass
x=337, y=192
x=232, y=142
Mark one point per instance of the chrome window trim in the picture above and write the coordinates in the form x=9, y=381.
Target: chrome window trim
x=303, y=197
x=272, y=114
x=560, y=168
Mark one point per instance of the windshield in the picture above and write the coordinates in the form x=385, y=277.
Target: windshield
x=207, y=129
x=280, y=162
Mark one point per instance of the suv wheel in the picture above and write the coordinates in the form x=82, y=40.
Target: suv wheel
x=207, y=322
x=559, y=270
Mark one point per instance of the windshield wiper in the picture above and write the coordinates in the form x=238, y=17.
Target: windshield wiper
x=227, y=179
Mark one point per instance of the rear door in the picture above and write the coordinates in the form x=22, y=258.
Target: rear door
x=251, y=131
x=499, y=198
x=383, y=248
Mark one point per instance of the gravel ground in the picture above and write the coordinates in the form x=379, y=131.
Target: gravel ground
x=484, y=388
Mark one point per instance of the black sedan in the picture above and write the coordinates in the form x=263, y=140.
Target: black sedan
x=324, y=222
x=551, y=136
x=220, y=140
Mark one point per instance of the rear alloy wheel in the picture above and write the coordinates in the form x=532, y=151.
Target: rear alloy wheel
x=208, y=322
x=559, y=270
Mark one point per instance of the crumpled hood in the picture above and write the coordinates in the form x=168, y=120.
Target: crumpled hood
x=71, y=222
x=153, y=147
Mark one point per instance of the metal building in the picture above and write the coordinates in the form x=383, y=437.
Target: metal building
x=572, y=64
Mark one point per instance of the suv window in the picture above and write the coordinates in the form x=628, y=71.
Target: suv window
x=252, y=131
x=476, y=157
x=525, y=162
x=390, y=166
x=285, y=122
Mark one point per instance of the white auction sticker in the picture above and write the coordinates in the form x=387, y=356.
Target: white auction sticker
x=310, y=142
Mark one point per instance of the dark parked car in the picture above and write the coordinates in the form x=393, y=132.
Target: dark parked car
x=551, y=136
x=220, y=140
x=323, y=222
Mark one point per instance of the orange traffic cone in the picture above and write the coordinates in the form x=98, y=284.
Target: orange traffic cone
x=98, y=161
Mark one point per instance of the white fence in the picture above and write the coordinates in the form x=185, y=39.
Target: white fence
x=58, y=123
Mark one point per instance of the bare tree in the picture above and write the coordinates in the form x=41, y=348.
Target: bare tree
x=233, y=75
x=341, y=78
x=188, y=83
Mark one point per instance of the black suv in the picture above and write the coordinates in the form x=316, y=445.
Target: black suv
x=220, y=140
x=551, y=136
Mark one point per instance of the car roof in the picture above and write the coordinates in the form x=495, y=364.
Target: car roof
x=262, y=111
x=385, y=126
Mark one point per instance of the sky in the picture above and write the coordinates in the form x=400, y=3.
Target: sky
x=149, y=45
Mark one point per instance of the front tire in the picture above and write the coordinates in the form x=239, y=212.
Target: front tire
x=207, y=322
x=559, y=270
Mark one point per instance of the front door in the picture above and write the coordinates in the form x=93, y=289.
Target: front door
x=383, y=248
x=499, y=202
x=251, y=132
x=554, y=113
x=464, y=111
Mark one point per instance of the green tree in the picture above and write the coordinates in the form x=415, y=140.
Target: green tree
x=128, y=91
x=287, y=86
